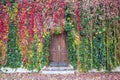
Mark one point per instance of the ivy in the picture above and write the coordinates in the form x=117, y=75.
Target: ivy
x=85, y=45
x=71, y=49
x=32, y=59
x=46, y=46
x=69, y=27
x=4, y=1
x=14, y=59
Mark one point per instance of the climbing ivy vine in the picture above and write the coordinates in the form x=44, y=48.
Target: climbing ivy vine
x=69, y=29
x=46, y=47
x=14, y=57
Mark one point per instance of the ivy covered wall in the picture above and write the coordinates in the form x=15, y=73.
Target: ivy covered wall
x=93, y=34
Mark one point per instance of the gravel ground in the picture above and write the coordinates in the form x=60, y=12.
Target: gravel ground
x=76, y=76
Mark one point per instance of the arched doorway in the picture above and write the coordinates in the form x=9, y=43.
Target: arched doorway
x=58, y=51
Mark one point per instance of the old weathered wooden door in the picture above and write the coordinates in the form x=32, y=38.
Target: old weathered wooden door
x=58, y=51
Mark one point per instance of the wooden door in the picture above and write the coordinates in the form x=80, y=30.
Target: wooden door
x=58, y=51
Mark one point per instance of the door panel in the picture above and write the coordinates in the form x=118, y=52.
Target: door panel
x=63, y=49
x=54, y=50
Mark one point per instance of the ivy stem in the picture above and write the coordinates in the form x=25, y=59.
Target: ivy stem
x=91, y=41
x=78, y=52
x=107, y=52
x=115, y=41
x=78, y=56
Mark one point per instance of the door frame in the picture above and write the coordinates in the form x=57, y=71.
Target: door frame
x=63, y=35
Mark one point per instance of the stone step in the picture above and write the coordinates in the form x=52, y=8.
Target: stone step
x=58, y=70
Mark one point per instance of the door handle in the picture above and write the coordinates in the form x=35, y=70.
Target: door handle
x=59, y=47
